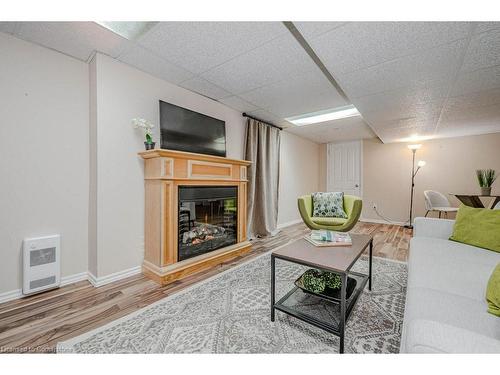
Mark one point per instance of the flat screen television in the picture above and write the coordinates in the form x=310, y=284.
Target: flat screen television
x=185, y=130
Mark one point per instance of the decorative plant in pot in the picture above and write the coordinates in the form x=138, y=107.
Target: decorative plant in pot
x=485, y=178
x=147, y=128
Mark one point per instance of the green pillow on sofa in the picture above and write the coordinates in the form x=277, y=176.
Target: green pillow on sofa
x=493, y=292
x=477, y=227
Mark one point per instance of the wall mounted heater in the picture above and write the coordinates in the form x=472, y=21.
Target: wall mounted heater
x=41, y=263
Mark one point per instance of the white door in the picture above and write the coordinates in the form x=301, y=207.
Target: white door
x=344, y=167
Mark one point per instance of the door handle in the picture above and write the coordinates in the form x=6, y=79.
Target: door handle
x=356, y=185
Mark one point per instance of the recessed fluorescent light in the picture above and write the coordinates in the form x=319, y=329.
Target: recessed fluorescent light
x=128, y=30
x=322, y=116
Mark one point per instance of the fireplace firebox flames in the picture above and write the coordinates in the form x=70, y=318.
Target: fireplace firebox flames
x=202, y=233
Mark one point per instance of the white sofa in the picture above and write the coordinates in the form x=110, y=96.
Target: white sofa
x=446, y=309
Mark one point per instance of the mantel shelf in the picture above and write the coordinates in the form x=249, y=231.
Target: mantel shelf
x=190, y=155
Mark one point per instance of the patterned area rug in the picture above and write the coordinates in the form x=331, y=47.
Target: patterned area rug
x=230, y=313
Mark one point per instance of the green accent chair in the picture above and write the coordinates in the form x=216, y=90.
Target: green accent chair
x=352, y=207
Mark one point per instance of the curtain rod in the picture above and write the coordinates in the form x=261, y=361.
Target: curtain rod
x=265, y=122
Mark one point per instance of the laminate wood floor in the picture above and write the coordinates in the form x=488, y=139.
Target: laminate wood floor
x=37, y=323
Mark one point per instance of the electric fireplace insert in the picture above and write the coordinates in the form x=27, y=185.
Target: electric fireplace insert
x=208, y=219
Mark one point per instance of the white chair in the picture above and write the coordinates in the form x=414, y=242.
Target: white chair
x=435, y=201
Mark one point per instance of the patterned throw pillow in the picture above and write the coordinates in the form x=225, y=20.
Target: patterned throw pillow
x=328, y=205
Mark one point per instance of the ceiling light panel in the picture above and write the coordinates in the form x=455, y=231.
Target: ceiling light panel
x=323, y=116
x=353, y=128
x=128, y=30
x=77, y=39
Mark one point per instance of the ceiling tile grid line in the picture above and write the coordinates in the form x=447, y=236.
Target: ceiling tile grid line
x=383, y=41
x=237, y=56
x=314, y=57
x=232, y=56
x=217, y=87
x=423, y=69
x=151, y=63
x=457, y=73
x=404, y=56
x=318, y=28
x=279, y=60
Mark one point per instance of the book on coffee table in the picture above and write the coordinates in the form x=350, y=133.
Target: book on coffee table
x=329, y=238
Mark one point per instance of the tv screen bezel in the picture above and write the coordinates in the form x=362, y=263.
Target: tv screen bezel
x=196, y=112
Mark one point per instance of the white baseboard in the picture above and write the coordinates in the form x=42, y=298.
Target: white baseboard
x=11, y=295
x=289, y=223
x=66, y=280
x=103, y=280
x=380, y=221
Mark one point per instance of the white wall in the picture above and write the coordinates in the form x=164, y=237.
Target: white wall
x=299, y=174
x=44, y=147
x=450, y=168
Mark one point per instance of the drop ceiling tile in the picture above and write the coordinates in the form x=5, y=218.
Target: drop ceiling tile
x=300, y=94
x=238, y=104
x=415, y=112
x=410, y=123
x=199, y=46
x=275, y=61
x=77, y=39
x=359, y=45
x=456, y=127
x=472, y=114
x=481, y=27
x=436, y=66
x=404, y=134
x=478, y=80
x=150, y=63
x=473, y=100
x=203, y=87
x=314, y=29
x=483, y=52
x=401, y=98
x=8, y=27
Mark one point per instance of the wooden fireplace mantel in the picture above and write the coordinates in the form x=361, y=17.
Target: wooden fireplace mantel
x=164, y=172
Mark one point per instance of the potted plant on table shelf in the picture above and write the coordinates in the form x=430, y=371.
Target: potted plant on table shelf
x=147, y=128
x=485, y=178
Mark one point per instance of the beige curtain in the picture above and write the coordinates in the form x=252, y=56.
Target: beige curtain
x=263, y=150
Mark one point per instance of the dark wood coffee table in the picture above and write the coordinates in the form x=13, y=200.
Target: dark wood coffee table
x=326, y=314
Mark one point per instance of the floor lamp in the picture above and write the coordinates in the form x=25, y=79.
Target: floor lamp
x=414, y=172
